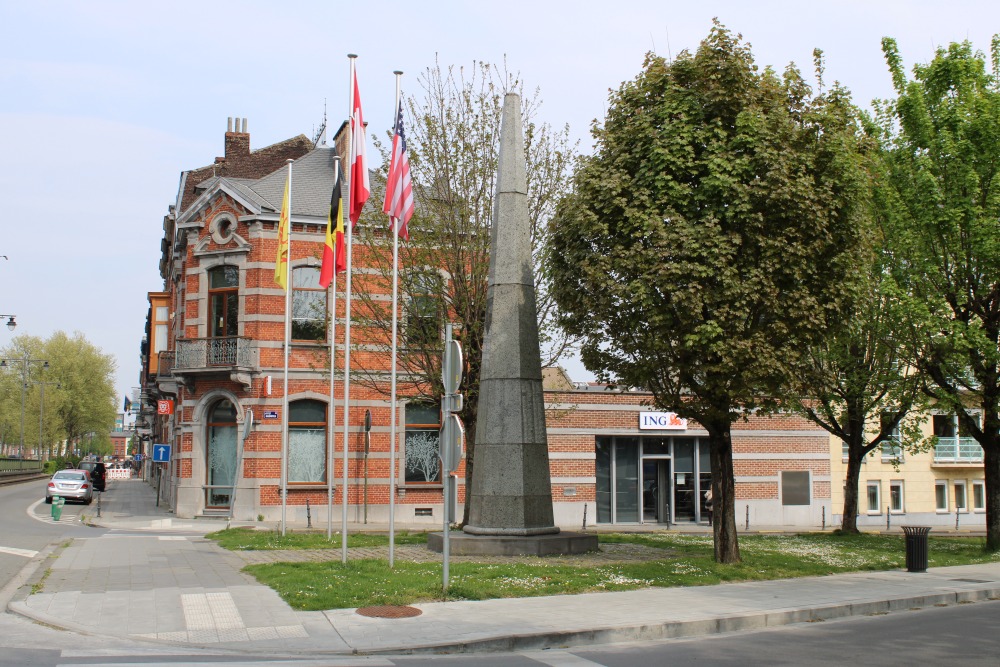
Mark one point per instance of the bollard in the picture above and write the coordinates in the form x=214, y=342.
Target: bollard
x=956, y=519
x=748, y=518
x=887, y=510
x=824, y=517
x=309, y=520
x=585, y=516
x=99, y=494
x=57, y=506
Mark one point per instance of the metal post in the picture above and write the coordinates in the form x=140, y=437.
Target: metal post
x=824, y=517
x=159, y=480
x=309, y=520
x=748, y=518
x=99, y=494
x=887, y=518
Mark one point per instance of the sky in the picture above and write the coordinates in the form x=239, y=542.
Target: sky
x=104, y=103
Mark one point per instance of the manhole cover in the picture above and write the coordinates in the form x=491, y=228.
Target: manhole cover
x=389, y=611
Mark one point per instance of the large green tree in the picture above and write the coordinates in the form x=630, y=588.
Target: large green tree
x=711, y=238
x=453, y=141
x=80, y=397
x=862, y=379
x=942, y=147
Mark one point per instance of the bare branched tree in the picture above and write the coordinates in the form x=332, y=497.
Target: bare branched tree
x=453, y=139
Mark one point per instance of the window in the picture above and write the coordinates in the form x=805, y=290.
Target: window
x=307, y=442
x=960, y=499
x=421, y=443
x=795, y=487
x=423, y=314
x=308, y=305
x=221, y=452
x=845, y=450
x=941, y=496
x=891, y=449
x=896, y=496
x=874, y=502
x=979, y=496
x=223, y=301
x=944, y=426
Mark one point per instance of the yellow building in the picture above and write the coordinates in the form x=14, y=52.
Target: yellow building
x=941, y=487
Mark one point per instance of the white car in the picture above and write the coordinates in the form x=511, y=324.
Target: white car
x=71, y=485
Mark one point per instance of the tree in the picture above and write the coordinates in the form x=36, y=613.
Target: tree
x=942, y=149
x=453, y=142
x=710, y=239
x=865, y=372
x=80, y=397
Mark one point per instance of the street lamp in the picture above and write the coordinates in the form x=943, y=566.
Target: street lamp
x=11, y=324
x=25, y=362
x=41, y=411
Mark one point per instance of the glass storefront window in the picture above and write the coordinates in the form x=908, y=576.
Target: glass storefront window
x=627, y=480
x=602, y=449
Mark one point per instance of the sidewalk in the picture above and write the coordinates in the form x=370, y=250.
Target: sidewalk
x=152, y=577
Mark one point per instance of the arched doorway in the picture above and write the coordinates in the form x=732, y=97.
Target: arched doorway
x=221, y=455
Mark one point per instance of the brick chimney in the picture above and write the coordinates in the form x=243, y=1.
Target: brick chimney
x=237, y=141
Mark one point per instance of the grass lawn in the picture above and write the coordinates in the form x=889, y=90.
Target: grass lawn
x=675, y=560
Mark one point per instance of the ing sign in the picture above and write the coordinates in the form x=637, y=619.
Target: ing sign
x=661, y=421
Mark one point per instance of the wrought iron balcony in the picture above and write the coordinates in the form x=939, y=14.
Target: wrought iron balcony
x=165, y=365
x=228, y=353
x=958, y=450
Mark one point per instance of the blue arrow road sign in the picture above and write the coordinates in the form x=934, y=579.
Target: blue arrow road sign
x=161, y=453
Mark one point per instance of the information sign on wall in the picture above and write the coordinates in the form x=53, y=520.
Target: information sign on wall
x=661, y=421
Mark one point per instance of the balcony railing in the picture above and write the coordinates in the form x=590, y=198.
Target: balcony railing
x=958, y=450
x=224, y=353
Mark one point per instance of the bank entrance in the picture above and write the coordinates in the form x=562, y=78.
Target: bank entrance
x=654, y=480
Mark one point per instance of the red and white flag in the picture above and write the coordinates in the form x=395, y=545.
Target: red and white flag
x=399, y=188
x=360, y=189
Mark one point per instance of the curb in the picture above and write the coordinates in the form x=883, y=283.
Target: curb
x=692, y=628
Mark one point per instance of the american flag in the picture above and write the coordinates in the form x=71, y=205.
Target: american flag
x=399, y=188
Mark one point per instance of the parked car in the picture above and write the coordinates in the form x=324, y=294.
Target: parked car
x=97, y=473
x=72, y=485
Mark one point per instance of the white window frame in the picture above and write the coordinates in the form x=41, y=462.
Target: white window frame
x=964, y=506
x=877, y=485
x=939, y=484
x=897, y=483
x=979, y=485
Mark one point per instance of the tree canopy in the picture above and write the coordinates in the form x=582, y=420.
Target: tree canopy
x=711, y=238
x=941, y=139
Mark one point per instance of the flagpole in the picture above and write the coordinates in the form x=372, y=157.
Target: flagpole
x=392, y=393
x=347, y=329
x=288, y=310
x=332, y=418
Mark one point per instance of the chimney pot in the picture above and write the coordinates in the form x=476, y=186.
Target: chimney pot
x=229, y=124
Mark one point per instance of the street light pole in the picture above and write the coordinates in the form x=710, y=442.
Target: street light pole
x=25, y=362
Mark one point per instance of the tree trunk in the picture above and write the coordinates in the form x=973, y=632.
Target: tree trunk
x=991, y=468
x=727, y=548
x=849, y=522
x=856, y=452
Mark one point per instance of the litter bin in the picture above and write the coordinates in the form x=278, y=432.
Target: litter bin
x=916, y=548
x=57, y=505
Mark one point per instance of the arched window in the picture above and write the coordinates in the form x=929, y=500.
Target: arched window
x=221, y=454
x=308, y=305
x=307, y=442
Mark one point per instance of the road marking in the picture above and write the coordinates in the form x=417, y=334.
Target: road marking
x=30, y=511
x=558, y=658
x=13, y=551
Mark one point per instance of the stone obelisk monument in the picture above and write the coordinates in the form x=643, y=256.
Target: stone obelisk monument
x=511, y=485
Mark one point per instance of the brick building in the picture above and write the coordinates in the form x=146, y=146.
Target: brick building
x=214, y=348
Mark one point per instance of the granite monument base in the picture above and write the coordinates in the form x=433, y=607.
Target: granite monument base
x=553, y=544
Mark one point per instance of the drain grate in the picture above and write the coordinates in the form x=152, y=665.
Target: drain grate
x=389, y=611
x=974, y=581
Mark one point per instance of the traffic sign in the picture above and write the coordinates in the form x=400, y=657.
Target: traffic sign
x=161, y=453
x=451, y=366
x=452, y=442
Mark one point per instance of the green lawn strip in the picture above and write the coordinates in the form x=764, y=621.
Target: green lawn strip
x=687, y=561
x=249, y=539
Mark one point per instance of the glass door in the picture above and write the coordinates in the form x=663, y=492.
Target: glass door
x=656, y=491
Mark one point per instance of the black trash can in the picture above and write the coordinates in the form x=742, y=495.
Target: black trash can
x=916, y=548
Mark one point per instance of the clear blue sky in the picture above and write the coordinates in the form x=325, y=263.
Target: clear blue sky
x=103, y=103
